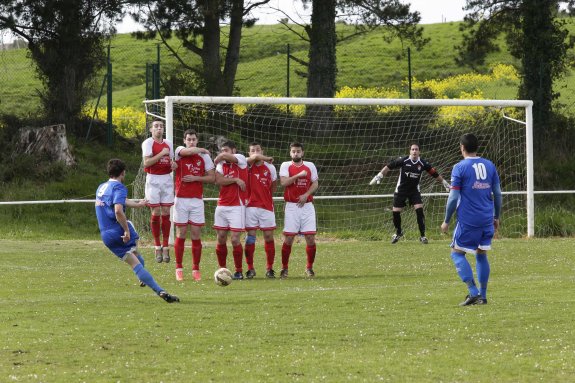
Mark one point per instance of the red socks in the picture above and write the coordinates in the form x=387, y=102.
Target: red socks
x=155, y=226
x=286, y=251
x=166, y=226
x=238, y=257
x=179, y=250
x=250, y=248
x=270, y=254
x=310, y=251
x=196, y=253
x=222, y=254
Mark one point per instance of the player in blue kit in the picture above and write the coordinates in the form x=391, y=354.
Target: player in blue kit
x=117, y=232
x=476, y=195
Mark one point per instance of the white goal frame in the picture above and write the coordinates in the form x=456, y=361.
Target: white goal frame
x=169, y=102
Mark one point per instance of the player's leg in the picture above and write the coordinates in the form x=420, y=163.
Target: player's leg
x=196, y=251
x=482, y=262
x=152, y=194
x=292, y=221
x=179, y=246
x=166, y=227
x=465, y=240
x=249, y=250
x=308, y=229
x=398, y=205
x=144, y=275
x=221, y=225
x=252, y=224
x=197, y=219
x=270, y=249
x=417, y=204
x=237, y=253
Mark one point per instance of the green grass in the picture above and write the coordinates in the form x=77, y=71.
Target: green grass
x=375, y=312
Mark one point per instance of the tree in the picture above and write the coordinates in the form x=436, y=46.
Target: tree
x=197, y=24
x=65, y=39
x=533, y=34
x=391, y=16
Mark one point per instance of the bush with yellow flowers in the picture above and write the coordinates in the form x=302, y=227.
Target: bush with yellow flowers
x=129, y=122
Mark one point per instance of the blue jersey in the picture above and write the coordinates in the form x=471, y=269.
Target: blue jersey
x=108, y=194
x=475, y=178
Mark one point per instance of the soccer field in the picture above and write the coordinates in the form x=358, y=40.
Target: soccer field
x=375, y=312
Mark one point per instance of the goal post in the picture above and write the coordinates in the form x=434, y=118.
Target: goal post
x=350, y=140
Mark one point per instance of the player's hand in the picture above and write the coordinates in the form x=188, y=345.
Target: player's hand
x=190, y=178
x=377, y=179
x=126, y=237
x=496, y=223
x=302, y=200
x=204, y=150
x=174, y=165
x=303, y=173
x=270, y=160
x=241, y=184
x=446, y=185
x=444, y=227
x=165, y=152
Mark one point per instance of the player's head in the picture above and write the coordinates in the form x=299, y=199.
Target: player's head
x=116, y=168
x=255, y=148
x=229, y=147
x=414, y=150
x=296, y=151
x=156, y=128
x=190, y=138
x=469, y=143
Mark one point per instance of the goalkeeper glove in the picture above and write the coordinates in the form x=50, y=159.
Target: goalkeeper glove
x=377, y=179
x=446, y=185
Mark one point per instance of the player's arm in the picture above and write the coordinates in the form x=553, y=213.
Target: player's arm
x=136, y=204
x=186, y=152
x=225, y=181
x=312, y=188
x=122, y=220
x=497, y=202
x=258, y=157
x=152, y=160
x=228, y=157
x=379, y=176
x=450, y=208
x=274, y=187
x=286, y=181
x=208, y=178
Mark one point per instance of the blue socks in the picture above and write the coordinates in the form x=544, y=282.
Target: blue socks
x=250, y=239
x=465, y=273
x=144, y=276
x=141, y=259
x=483, y=271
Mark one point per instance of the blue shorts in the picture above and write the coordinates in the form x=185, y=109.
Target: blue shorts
x=113, y=240
x=470, y=238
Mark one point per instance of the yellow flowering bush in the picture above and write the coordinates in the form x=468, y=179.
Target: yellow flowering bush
x=129, y=122
x=296, y=110
x=361, y=92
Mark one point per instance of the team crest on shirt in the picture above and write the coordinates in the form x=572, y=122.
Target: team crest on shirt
x=265, y=173
x=199, y=163
x=418, y=167
x=257, y=176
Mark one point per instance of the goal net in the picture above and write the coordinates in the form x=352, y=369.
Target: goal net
x=350, y=140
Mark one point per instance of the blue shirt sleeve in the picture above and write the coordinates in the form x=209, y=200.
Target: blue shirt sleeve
x=497, y=199
x=451, y=204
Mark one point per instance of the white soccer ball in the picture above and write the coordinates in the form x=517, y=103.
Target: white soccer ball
x=223, y=277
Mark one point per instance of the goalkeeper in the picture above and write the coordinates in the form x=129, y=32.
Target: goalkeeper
x=411, y=167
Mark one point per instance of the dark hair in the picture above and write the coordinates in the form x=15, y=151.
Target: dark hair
x=416, y=144
x=229, y=144
x=255, y=143
x=296, y=144
x=190, y=132
x=115, y=167
x=155, y=120
x=470, y=142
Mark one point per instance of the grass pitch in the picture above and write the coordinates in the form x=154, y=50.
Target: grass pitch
x=71, y=312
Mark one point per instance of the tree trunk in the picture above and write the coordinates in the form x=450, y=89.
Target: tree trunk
x=322, y=67
x=211, y=58
x=49, y=143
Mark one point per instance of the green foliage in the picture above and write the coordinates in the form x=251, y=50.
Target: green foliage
x=72, y=312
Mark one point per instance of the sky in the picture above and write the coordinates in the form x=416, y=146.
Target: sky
x=431, y=11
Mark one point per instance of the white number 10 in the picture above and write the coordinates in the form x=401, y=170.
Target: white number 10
x=480, y=171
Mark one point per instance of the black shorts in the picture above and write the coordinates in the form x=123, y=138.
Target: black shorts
x=400, y=199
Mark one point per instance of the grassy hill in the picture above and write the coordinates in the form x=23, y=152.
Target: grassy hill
x=367, y=61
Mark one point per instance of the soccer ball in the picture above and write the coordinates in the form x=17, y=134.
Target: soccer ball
x=223, y=277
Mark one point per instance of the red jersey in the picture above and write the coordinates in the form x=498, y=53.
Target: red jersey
x=150, y=148
x=232, y=195
x=260, y=180
x=195, y=165
x=301, y=185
